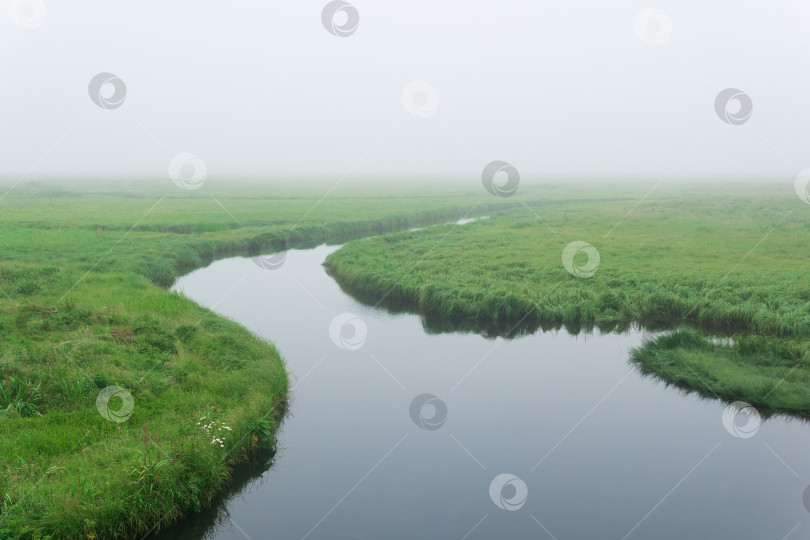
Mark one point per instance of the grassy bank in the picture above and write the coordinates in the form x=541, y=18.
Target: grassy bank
x=84, y=306
x=69, y=472
x=83, y=271
x=771, y=374
x=727, y=260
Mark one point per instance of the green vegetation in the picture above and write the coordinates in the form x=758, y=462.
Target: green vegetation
x=83, y=271
x=84, y=306
x=730, y=260
x=21, y=397
x=772, y=374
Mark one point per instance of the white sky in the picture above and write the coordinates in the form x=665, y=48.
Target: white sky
x=261, y=89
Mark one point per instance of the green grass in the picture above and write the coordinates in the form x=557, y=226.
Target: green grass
x=727, y=261
x=83, y=306
x=83, y=276
x=20, y=397
x=67, y=471
x=771, y=374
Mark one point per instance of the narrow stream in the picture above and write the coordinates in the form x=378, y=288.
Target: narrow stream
x=595, y=450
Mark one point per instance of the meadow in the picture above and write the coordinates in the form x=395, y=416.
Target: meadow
x=84, y=306
x=712, y=261
x=85, y=266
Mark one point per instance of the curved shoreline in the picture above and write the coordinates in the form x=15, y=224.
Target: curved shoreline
x=760, y=367
x=168, y=470
x=176, y=355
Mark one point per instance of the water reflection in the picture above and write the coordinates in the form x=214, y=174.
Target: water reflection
x=519, y=324
x=596, y=444
x=245, y=478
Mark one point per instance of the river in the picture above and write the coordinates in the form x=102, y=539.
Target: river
x=399, y=432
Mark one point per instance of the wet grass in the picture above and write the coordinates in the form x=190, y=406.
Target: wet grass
x=67, y=472
x=84, y=306
x=725, y=261
x=771, y=374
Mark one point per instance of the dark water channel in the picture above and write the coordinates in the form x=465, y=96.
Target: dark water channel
x=547, y=435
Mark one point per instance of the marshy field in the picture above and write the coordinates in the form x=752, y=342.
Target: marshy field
x=705, y=263
x=85, y=307
x=404, y=270
x=127, y=406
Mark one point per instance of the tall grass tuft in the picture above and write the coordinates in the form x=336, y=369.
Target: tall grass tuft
x=21, y=397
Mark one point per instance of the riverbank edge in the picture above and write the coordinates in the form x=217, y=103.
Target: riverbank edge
x=442, y=311
x=197, y=251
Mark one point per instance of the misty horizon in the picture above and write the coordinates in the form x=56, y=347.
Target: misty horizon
x=417, y=91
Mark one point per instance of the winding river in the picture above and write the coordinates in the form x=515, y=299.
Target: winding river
x=398, y=432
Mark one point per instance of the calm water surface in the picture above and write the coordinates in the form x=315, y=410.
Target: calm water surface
x=602, y=451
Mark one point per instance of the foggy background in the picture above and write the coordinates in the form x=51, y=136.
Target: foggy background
x=263, y=89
